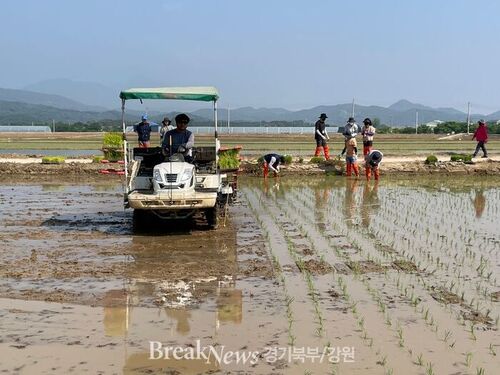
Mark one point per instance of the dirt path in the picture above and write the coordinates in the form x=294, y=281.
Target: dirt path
x=26, y=167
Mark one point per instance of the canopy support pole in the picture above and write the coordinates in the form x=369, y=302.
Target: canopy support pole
x=125, y=147
x=216, y=135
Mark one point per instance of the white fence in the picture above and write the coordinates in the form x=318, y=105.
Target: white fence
x=24, y=129
x=258, y=130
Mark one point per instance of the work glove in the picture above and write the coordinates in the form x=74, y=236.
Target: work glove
x=181, y=148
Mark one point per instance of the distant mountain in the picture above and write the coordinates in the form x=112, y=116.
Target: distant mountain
x=91, y=93
x=17, y=113
x=248, y=114
x=57, y=101
x=495, y=116
x=23, y=107
x=404, y=105
x=401, y=113
x=451, y=111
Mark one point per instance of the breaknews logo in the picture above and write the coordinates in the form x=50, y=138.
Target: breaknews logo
x=209, y=354
x=220, y=355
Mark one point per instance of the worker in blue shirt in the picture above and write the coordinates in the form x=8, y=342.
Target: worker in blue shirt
x=179, y=140
x=143, y=130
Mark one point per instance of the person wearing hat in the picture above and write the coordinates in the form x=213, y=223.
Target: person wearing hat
x=143, y=130
x=350, y=129
x=367, y=132
x=481, y=135
x=321, y=137
x=372, y=163
x=179, y=140
x=165, y=127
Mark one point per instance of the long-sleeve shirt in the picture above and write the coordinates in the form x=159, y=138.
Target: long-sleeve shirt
x=178, y=138
x=481, y=133
x=273, y=161
x=374, y=159
x=143, y=130
x=350, y=130
x=368, y=132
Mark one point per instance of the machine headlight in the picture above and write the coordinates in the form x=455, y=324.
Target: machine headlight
x=186, y=176
x=157, y=175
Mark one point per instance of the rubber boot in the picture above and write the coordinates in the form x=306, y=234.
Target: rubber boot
x=366, y=150
x=318, y=151
x=265, y=169
x=326, y=149
x=348, y=169
x=377, y=174
x=355, y=169
x=368, y=173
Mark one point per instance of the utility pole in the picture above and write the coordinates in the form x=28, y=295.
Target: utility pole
x=416, y=122
x=53, y=126
x=228, y=119
x=352, y=111
x=468, y=118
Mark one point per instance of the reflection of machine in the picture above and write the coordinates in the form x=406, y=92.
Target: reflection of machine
x=229, y=306
x=174, y=292
x=119, y=322
x=173, y=188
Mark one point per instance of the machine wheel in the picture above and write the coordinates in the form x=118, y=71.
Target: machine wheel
x=212, y=216
x=139, y=220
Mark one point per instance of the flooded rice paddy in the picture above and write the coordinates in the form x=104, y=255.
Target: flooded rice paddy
x=315, y=275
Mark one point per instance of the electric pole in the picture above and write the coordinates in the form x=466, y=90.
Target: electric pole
x=352, y=111
x=416, y=122
x=468, y=118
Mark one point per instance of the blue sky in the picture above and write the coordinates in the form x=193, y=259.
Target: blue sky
x=291, y=54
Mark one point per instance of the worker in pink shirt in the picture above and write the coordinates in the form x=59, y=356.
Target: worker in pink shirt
x=481, y=136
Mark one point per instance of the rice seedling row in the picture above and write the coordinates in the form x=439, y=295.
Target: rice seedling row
x=446, y=335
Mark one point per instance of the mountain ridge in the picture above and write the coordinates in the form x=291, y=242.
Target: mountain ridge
x=60, y=108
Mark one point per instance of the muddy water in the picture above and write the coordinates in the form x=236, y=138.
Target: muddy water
x=318, y=263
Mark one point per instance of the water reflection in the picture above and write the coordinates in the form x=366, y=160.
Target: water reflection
x=321, y=195
x=370, y=203
x=116, y=313
x=139, y=362
x=181, y=316
x=272, y=187
x=229, y=306
x=351, y=188
x=479, y=202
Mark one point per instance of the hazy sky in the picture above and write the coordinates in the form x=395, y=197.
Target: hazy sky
x=281, y=53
